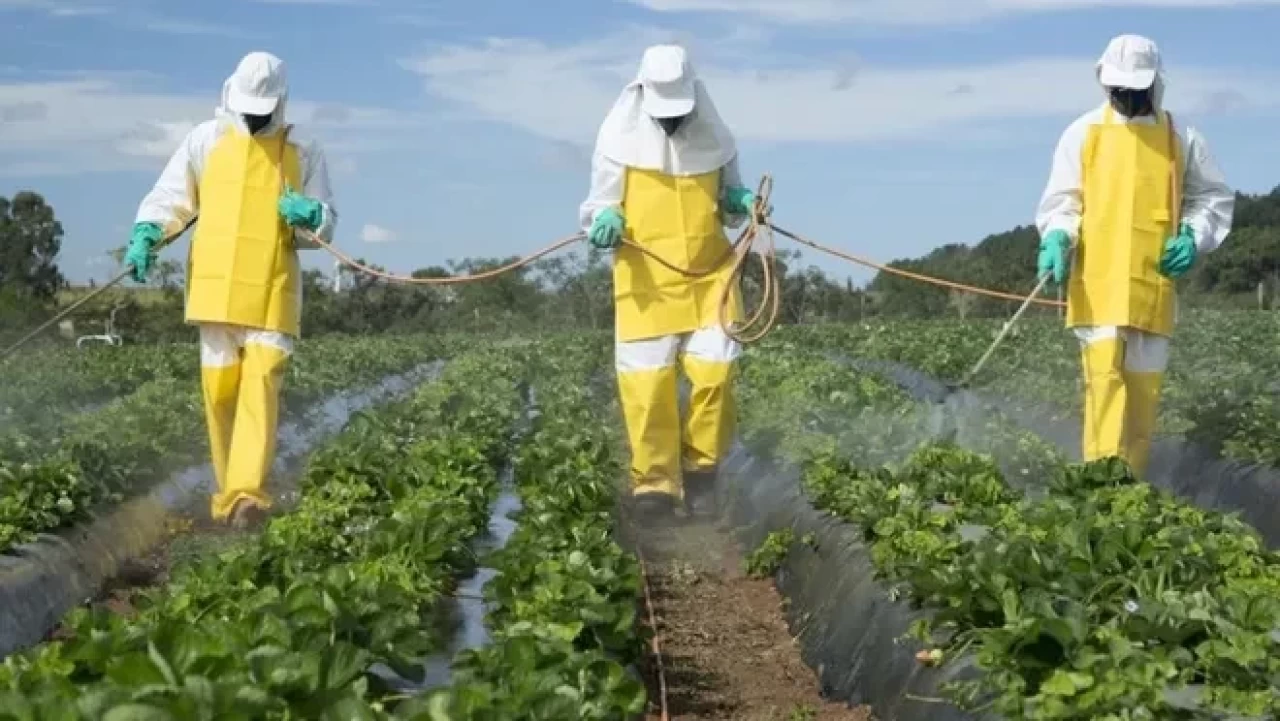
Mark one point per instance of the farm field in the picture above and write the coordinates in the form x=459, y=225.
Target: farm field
x=1097, y=597
x=1075, y=592
x=88, y=427
x=1221, y=388
x=326, y=612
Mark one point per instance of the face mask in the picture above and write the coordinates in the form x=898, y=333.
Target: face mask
x=1132, y=103
x=256, y=123
x=671, y=125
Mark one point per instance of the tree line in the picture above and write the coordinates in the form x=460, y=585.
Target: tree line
x=1244, y=272
x=575, y=290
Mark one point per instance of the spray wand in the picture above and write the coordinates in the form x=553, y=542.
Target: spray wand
x=69, y=310
x=968, y=378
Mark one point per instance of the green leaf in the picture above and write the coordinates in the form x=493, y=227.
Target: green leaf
x=342, y=664
x=161, y=664
x=137, y=712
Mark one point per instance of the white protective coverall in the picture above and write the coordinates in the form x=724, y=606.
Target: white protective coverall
x=669, y=191
x=244, y=288
x=1141, y=178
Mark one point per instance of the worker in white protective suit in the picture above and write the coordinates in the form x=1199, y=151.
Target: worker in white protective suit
x=665, y=177
x=1139, y=198
x=239, y=173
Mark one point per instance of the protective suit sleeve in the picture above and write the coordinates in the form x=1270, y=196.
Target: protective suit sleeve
x=731, y=177
x=608, y=180
x=1208, y=204
x=1060, y=204
x=174, y=202
x=315, y=184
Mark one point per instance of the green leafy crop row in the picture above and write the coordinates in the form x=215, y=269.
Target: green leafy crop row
x=41, y=386
x=563, y=605
x=1220, y=389
x=1103, y=599
x=52, y=475
x=294, y=623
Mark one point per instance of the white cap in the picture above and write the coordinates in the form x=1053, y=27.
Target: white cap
x=1130, y=61
x=667, y=80
x=257, y=85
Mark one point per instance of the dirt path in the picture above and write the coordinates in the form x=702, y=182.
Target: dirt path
x=727, y=652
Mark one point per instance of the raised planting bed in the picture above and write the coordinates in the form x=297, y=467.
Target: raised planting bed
x=846, y=621
x=1179, y=465
x=1220, y=391
x=54, y=475
x=43, y=579
x=42, y=386
x=291, y=623
x=562, y=605
x=1099, y=597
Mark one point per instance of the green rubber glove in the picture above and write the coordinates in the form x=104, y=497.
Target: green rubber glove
x=1179, y=253
x=1053, y=256
x=738, y=201
x=140, y=255
x=300, y=211
x=606, y=229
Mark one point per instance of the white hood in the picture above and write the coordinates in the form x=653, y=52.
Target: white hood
x=630, y=136
x=258, y=85
x=1133, y=61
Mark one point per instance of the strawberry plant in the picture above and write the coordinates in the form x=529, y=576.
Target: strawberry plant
x=1098, y=597
x=291, y=623
x=1219, y=389
x=55, y=472
x=769, y=556
x=563, y=605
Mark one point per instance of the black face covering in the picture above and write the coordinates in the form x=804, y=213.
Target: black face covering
x=1132, y=103
x=256, y=123
x=671, y=125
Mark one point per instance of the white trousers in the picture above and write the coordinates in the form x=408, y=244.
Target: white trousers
x=712, y=345
x=220, y=345
x=1143, y=352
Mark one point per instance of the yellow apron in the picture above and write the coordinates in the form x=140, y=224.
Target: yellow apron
x=678, y=218
x=1131, y=202
x=242, y=268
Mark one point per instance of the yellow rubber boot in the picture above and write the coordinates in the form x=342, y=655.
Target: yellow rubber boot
x=1104, y=399
x=253, y=440
x=712, y=413
x=221, y=388
x=652, y=411
x=1143, y=390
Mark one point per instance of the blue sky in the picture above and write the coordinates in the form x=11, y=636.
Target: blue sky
x=460, y=129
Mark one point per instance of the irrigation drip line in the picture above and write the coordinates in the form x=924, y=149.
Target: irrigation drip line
x=655, y=644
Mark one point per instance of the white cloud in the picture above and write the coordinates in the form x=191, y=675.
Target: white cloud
x=563, y=92
x=372, y=233
x=68, y=11
x=343, y=165
x=23, y=111
x=57, y=8
x=567, y=156
x=367, y=3
x=173, y=26
x=417, y=20
x=910, y=12
x=154, y=139
x=135, y=20
x=103, y=124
